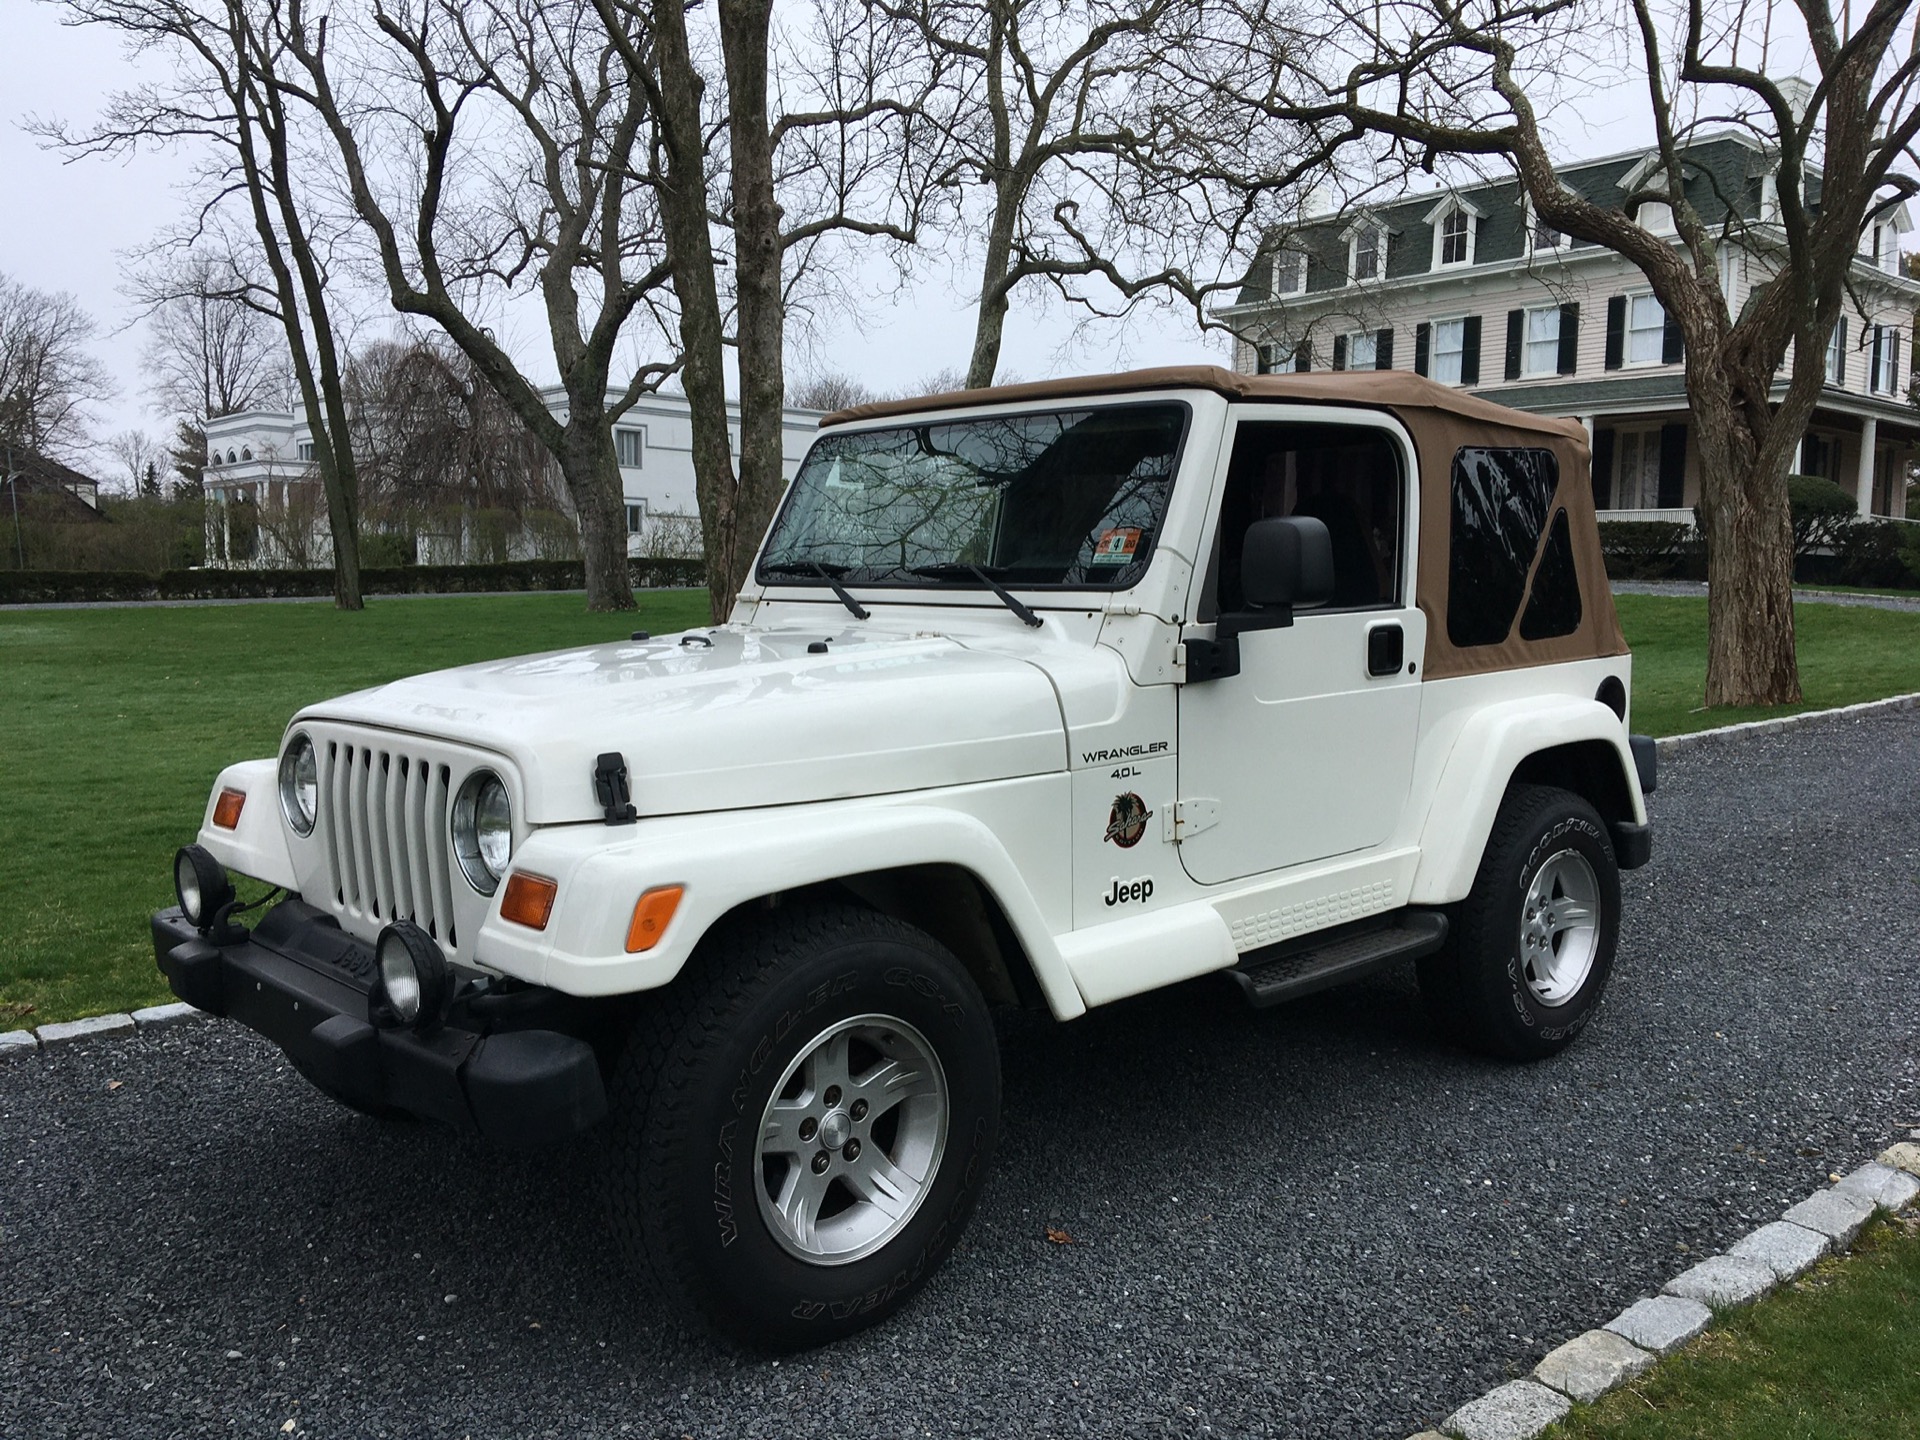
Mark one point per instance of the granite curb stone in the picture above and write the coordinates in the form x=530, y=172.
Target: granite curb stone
x=17, y=1042
x=1834, y=1213
x=155, y=1016
x=1662, y=1323
x=1882, y=1185
x=94, y=1027
x=1787, y=1249
x=1590, y=1365
x=1518, y=1410
x=1668, y=744
x=1723, y=1280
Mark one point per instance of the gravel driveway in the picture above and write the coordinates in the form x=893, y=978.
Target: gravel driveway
x=1312, y=1221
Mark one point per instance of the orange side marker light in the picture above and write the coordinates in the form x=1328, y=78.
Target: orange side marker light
x=226, y=810
x=529, y=900
x=652, y=913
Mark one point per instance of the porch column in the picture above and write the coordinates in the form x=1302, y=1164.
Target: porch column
x=1863, y=476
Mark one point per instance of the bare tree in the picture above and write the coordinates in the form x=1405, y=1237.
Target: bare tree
x=230, y=95
x=48, y=376
x=138, y=455
x=828, y=390
x=1112, y=146
x=490, y=145
x=1437, y=79
x=207, y=353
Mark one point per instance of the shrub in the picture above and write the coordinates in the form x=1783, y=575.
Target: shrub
x=1821, y=511
x=18, y=587
x=1645, y=549
x=1870, y=552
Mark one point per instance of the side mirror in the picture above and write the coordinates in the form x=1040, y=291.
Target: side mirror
x=1286, y=562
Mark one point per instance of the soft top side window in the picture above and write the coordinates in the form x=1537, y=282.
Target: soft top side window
x=1347, y=476
x=1506, y=531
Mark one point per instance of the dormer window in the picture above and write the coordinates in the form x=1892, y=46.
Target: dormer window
x=1541, y=237
x=1366, y=253
x=1881, y=246
x=1655, y=217
x=1456, y=228
x=1289, y=273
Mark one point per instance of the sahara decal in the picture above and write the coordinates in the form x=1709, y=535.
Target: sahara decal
x=1124, y=752
x=1127, y=820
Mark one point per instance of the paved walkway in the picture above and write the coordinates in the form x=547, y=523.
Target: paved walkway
x=1315, y=1220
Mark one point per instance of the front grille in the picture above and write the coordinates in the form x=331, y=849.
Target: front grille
x=387, y=836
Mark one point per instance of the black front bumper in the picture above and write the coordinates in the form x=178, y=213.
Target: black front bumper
x=302, y=982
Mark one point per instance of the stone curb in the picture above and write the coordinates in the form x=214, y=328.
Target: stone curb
x=1590, y=1365
x=56, y=1033
x=1669, y=744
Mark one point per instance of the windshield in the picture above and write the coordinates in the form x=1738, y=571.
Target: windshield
x=1064, y=498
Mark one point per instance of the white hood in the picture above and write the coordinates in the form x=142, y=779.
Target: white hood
x=748, y=718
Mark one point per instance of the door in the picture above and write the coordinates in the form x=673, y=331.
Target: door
x=1307, y=752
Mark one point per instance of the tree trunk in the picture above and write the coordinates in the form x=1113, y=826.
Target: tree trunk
x=757, y=270
x=591, y=469
x=683, y=211
x=991, y=323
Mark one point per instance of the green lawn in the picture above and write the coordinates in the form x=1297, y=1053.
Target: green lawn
x=115, y=723
x=1834, y=1356
x=1848, y=653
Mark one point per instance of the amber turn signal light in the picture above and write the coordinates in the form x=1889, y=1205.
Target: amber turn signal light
x=529, y=899
x=651, y=916
x=226, y=810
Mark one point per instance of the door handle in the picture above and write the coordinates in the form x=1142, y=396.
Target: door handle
x=1386, y=648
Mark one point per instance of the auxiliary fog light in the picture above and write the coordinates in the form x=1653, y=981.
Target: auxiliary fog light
x=413, y=984
x=201, y=884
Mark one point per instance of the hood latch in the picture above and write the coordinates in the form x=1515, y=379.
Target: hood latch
x=611, y=789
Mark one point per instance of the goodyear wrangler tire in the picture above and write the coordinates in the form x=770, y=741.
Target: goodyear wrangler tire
x=804, y=1123
x=1533, y=942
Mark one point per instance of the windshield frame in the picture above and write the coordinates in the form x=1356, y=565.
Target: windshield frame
x=781, y=580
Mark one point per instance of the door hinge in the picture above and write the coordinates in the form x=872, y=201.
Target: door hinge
x=1187, y=818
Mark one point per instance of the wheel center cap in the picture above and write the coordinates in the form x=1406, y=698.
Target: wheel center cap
x=835, y=1129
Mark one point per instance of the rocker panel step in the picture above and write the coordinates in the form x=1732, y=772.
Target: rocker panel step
x=1316, y=962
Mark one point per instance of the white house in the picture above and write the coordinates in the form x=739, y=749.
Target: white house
x=264, y=458
x=1463, y=286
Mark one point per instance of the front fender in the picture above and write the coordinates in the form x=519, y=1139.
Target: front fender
x=1489, y=748
x=726, y=858
x=257, y=846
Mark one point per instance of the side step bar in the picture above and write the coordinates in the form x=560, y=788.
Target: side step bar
x=1316, y=962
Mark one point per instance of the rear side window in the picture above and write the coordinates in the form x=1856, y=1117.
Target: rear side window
x=1503, y=533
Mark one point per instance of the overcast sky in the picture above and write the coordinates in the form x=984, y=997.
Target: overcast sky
x=71, y=225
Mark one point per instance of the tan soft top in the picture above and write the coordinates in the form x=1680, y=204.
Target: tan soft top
x=1442, y=421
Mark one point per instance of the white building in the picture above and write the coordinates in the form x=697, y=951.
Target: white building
x=264, y=459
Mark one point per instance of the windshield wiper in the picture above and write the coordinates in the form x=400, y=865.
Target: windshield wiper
x=957, y=571
x=829, y=573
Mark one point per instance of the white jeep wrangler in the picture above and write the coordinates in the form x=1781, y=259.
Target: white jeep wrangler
x=1044, y=695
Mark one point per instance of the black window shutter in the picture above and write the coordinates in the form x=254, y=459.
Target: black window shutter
x=1383, y=349
x=1470, y=350
x=1672, y=348
x=1339, y=352
x=1603, y=469
x=1422, y=342
x=1893, y=337
x=1261, y=362
x=1570, y=343
x=1516, y=327
x=1840, y=350
x=1303, y=356
x=1616, y=331
x=1873, y=362
x=1673, y=466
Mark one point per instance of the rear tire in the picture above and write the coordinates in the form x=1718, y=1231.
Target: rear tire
x=1533, y=943
x=803, y=1123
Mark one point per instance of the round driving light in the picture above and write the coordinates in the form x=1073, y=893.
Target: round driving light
x=200, y=882
x=300, y=784
x=483, y=830
x=414, y=984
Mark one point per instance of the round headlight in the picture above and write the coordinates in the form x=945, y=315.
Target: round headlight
x=200, y=883
x=300, y=785
x=416, y=983
x=483, y=830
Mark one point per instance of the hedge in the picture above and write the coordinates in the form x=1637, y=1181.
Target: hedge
x=18, y=587
x=1649, y=549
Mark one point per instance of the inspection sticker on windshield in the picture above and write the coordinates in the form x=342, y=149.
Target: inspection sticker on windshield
x=1116, y=546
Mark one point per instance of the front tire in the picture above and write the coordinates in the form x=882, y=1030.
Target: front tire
x=1533, y=942
x=804, y=1123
